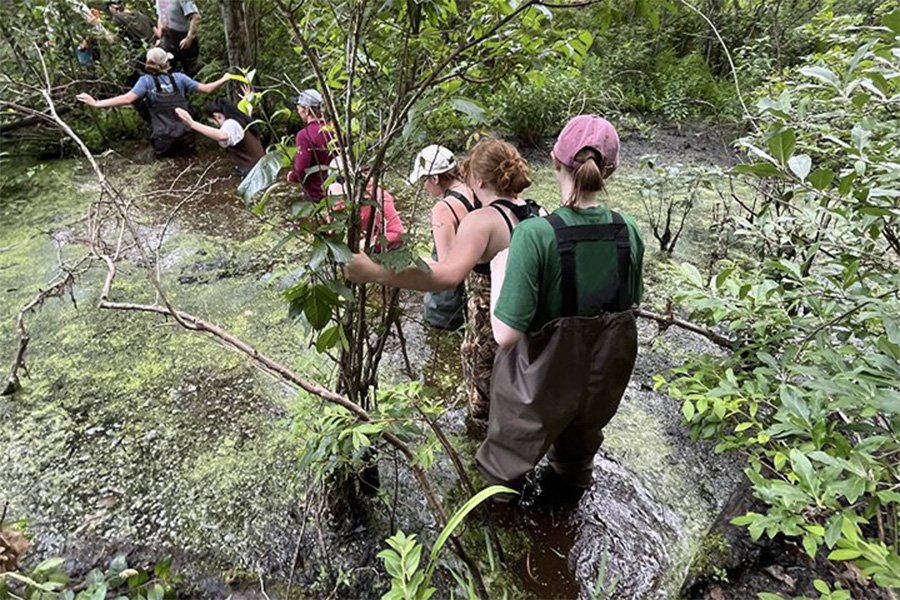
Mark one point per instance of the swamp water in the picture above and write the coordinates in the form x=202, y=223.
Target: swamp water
x=132, y=435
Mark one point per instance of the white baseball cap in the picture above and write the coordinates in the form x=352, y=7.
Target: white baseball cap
x=158, y=56
x=432, y=160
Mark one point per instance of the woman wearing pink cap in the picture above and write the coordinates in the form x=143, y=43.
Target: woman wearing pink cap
x=562, y=317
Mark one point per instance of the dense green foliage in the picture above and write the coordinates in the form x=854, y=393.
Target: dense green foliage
x=811, y=394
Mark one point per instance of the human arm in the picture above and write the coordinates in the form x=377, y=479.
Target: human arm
x=504, y=335
x=160, y=27
x=443, y=228
x=194, y=22
x=209, y=88
x=472, y=240
x=211, y=132
x=121, y=100
x=515, y=287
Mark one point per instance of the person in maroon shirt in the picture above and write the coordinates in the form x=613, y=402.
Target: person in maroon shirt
x=310, y=166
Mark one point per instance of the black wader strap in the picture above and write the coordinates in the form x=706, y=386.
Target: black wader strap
x=623, y=252
x=175, y=89
x=156, y=82
x=567, y=236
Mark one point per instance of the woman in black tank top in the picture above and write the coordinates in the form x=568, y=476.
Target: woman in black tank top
x=497, y=174
x=438, y=170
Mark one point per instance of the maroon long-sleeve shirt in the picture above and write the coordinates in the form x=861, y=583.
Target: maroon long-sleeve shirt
x=311, y=160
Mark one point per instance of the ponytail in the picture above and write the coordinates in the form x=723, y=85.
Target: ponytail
x=589, y=174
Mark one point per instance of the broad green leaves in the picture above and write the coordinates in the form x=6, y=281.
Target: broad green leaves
x=811, y=396
x=402, y=559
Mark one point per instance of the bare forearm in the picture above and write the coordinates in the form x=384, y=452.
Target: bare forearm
x=209, y=88
x=412, y=278
x=120, y=100
x=195, y=23
x=210, y=132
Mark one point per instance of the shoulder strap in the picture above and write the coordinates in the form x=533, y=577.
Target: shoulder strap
x=453, y=212
x=567, y=236
x=156, y=83
x=502, y=213
x=462, y=198
x=175, y=88
x=623, y=253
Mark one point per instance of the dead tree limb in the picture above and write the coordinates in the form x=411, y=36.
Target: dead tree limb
x=61, y=284
x=667, y=320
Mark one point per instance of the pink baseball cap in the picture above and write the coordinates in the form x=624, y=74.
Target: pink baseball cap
x=587, y=131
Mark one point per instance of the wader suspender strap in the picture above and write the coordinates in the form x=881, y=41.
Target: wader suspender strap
x=567, y=236
x=171, y=80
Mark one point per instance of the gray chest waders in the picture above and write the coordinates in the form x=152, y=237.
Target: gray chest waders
x=171, y=136
x=556, y=389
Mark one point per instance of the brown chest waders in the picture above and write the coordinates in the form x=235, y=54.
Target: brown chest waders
x=556, y=389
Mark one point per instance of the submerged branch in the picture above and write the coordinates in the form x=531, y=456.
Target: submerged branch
x=61, y=284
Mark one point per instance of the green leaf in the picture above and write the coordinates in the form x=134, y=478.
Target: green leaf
x=844, y=554
x=782, y=144
x=821, y=178
x=822, y=74
x=692, y=274
x=760, y=169
x=458, y=517
x=810, y=545
x=49, y=565
x=318, y=307
x=476, y=112
x=328, y=339
x=803, y=468
x=687, y=409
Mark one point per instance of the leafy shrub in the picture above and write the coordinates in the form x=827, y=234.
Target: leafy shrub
x=540, y=106
x=811, y=394
x=683, y=87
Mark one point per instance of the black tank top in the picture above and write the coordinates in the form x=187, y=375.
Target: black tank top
x=519, y=211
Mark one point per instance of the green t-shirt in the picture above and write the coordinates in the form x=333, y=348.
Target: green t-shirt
x=531, y=295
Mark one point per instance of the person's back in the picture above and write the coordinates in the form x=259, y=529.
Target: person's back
x=384, y=214
x=437, y=168
x=164, y=92
x=597, y=264
x=311, y=160
x=312, y=141
x=564, y=310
